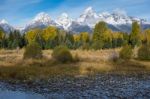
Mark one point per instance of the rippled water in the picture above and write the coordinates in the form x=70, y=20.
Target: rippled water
x=6, y=94
x=98, y=87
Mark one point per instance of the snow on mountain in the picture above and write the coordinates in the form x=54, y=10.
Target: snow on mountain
x=88, y=17
x=41, y=20
x=115, y=18
x=5, y=26
x=76, y=27
x=117, y=21
x=64, y=21
x=3, y=21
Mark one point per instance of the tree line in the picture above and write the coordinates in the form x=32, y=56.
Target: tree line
x=101, y=38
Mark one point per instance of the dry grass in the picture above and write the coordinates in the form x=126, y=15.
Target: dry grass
x=12, y=65
x=95, y=56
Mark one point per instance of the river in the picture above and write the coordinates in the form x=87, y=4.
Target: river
x=97, y=87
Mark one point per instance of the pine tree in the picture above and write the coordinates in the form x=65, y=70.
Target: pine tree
x=99, y=35
x=146, y=36
x=134, y=36
x=1, y=37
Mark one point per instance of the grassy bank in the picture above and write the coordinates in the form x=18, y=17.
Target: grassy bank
x=13, y=67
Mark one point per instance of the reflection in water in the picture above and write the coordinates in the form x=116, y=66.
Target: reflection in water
x=5, y=94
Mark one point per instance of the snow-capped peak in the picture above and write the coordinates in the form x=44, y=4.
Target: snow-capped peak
x=89, y=17
x=41, y=20
x=3, y=21
x=64, y=21
x=89, y=10
x=117, y=20
x=6, y=26
x=64, y=15
x=42, y=17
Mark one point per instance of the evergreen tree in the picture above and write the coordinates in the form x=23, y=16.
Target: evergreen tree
x=69, y=42
x=84, y=37
x=15, y=40
x=99, y=35
x=1, y=37
x=146, y=36
x=134, y=36
x=77, y=41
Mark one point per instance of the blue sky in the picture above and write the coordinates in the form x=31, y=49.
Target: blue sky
x=19, y=12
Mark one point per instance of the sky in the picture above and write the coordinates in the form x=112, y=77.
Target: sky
x=20, y=12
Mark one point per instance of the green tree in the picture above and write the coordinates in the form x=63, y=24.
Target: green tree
x=135, y=33
x=69, y=41
x=144, y=52
x=84, y=37
x=1, y=34
x=146, y=36
x=108, y=39
x=15, y=40
x=1, y=37
x=99, y=35
x=33, y=51
x=126, y=52
x=49, y=33
x=62, y=54
x=32, y=35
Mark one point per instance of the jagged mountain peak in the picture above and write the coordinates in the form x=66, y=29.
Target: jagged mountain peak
x=118, y=19
x=64, y=15
x=64, y=21
x=89, y=10
x=41, y=20
x=42, y=17
x=3, y=21
x=6, y=26
x=88, y=17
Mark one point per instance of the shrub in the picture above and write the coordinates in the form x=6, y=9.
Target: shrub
x=126, y=52
x=33, y=50
x=144, y=52
x=62, y=54
x=85, y=46
x=114, y=56
x=76, y=58
x=97, y=45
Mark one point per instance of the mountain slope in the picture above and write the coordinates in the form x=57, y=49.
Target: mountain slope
x=117, y=21
x=5, y=26
x=88, y=17
x=64, y=21
x=41, y=20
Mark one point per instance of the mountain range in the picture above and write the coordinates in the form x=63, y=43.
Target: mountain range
x=116, y=20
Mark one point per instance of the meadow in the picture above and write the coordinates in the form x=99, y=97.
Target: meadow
x=14, y=68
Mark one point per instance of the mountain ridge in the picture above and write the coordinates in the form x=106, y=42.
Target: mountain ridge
x=117, y=21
